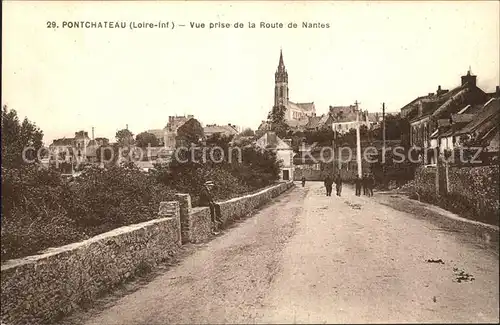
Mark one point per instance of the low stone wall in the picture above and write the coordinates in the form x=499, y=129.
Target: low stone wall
x=199, y=223
x=42, y=288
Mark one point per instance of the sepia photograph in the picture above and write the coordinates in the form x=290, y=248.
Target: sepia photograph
x=250, y=162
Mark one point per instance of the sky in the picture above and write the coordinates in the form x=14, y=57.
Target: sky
x=67, y=80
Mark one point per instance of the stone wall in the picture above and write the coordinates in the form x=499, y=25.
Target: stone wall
x=42, y=288
x=478, y=185
x=199, y=220
x=475, y=189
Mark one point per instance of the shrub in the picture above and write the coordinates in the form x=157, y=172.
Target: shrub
x=45, y=211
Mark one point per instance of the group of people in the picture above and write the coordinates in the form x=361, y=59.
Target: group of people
x=329, y=184
x=367, y=182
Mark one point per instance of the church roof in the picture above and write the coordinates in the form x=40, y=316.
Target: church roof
x=305, y=107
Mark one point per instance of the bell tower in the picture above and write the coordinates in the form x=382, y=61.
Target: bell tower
x=281, y=84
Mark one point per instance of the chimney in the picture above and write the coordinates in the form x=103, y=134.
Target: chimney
x=92, y=133
x=126, y=126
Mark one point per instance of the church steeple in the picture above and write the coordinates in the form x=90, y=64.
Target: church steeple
x=281, y=64
x=281, y=84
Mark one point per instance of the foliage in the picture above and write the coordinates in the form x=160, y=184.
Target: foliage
x=108, y=154
x=243, y=168
x=43, y=210
x=191, y=131
x=124, y=137
x=394, y=126
x=247, y=132
x=16, y=136
x=145, y=139
x=277, y=119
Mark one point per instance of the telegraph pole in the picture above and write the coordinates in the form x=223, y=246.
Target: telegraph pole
x=383, y=144
x=358, y=142
x=383, y=125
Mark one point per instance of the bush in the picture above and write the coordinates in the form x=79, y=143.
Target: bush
x=44, y=211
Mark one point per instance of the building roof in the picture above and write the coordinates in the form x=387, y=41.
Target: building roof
x=63, y=142
x=314, y=122
x=298, y=123
x=485, y=119
x=225, y=129
x=270, y=139
x=81, y=134
x=342, y=114
x=305, y=107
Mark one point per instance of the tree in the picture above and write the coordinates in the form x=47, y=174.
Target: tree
x=247, y=132
x=277, y=119
x=16, y=137
x=393, y=128
x=191, y=131
x=144, y=139
x=124, y=137
x=108, y=154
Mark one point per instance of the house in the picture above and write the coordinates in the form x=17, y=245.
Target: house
x=170, y=130
x=284, y=152
x=79, y=149
x=345, y=118
x=320, y=122
x=480, y=125
x=424, y=112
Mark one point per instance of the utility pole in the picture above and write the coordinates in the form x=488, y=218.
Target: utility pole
x=383, y=144
x=358, y=142
x=383, y=126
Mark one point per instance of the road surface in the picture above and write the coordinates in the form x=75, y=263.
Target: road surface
x=308, y=258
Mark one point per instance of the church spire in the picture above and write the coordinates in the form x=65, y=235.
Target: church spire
x=281, y=84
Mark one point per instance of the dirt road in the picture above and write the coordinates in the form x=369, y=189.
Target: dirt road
x=308, y=258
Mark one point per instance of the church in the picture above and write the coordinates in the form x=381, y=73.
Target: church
x=296, y=114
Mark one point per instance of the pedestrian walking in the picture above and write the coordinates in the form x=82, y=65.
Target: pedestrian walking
x=371, y=184
x=358, y=183
x=303, y=181
x=364, y=183
x=338, y=183
x=207, y=200
x=328, y=185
